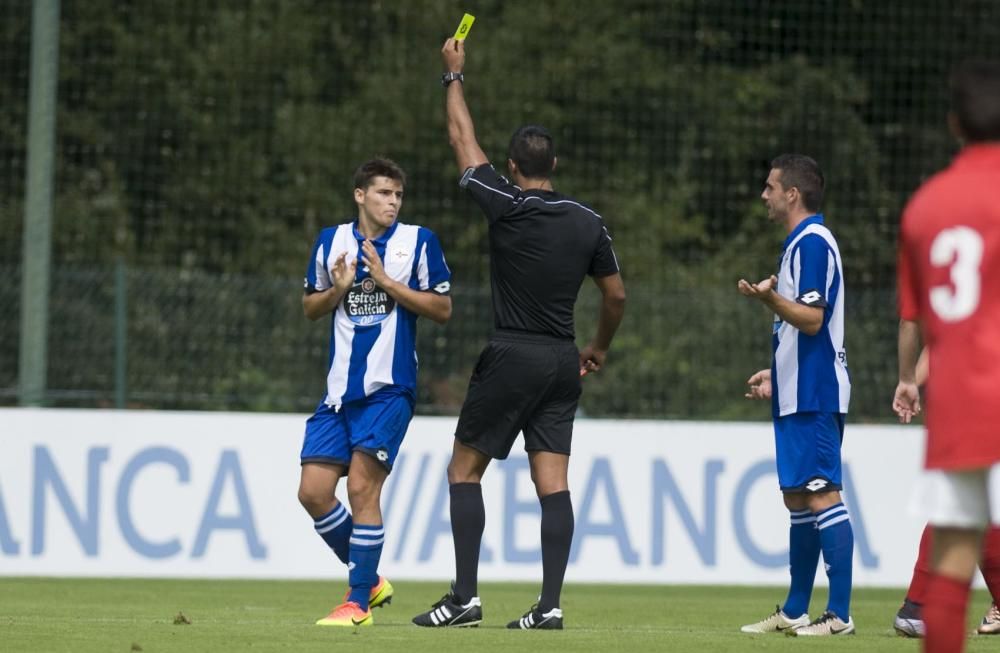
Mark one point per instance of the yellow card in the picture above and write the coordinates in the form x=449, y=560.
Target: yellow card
x=464, y=27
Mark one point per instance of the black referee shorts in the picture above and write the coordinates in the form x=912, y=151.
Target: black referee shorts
x=522, y=382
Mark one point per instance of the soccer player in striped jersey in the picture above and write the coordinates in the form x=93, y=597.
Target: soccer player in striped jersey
x=809, y=389
x=376, y=276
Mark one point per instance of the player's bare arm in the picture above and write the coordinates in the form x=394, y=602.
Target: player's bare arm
x=807, y=319
x=316, y=305
x=923, y=366
x=461, y=131
x=906, y=399
x=759, y=385
x=422, y=302
x=612, y=311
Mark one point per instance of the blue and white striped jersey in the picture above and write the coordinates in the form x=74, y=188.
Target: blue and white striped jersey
x=809, y=373
x=372, y=339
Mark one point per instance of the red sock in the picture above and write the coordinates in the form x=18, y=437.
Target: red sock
x=917, y=593
x=944, y=614
x=990, y=564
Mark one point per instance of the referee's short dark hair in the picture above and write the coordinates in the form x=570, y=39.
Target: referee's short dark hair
x=802, y=172
x=532, y=151
x=378, y=167
x=975, y=99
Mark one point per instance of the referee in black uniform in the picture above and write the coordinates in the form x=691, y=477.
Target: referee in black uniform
x=542, y=245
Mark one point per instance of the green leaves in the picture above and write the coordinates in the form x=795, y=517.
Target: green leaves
x=218, y=138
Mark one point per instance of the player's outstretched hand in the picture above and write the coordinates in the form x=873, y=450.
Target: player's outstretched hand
x=759, y=385
x=591, y=360
x=757, y=290
x=453, y=54
x=906, y=402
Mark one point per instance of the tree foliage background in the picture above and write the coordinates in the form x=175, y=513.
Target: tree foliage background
x=201, y=147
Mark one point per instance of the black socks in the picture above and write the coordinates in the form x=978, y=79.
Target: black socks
x=557, y=537
x=468, y=519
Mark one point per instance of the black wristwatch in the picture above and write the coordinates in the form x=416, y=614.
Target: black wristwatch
x=448, y=78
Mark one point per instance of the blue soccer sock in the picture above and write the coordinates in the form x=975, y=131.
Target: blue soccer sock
x=837, y=539
x=803, y=556
x=335, y=529
x=366, y=549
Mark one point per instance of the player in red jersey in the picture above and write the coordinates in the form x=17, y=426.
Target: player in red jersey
x=909, y=621
x=949, y=272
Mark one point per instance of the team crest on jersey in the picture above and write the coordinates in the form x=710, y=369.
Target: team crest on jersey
x=366, y=303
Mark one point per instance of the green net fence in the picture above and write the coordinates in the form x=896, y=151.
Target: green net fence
x=201, y=147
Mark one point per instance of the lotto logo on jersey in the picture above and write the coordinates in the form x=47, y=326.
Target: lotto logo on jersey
x=811, y=298
x=366, y=304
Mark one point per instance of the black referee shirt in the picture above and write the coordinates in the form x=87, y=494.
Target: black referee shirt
x=542, y=245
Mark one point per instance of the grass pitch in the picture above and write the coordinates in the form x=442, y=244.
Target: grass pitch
x=84, y=615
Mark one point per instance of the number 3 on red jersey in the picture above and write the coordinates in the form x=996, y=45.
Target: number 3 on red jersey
x=961, y=249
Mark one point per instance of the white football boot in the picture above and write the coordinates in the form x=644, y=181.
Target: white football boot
x=778, y=622
x=827, y=624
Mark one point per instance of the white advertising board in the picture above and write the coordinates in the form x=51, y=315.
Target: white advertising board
x=162, y=494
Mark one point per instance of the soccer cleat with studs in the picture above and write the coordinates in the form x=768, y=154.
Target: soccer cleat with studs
x=450, y=612
x=347, y=614
x=909, y=620
x=777, y=622
x=826, y=625
x=535, y=619
x=990, y=624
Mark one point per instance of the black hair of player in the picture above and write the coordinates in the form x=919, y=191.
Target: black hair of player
x=975, y=99
x=378, y=167
x=802, y=172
